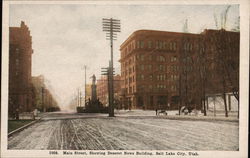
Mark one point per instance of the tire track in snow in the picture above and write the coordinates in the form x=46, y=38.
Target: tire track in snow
x=95, y=139
x=114, y=141
x=149, y=140
x=134, y=136
x=112, y=145
x=78, y=143
x=195, y=136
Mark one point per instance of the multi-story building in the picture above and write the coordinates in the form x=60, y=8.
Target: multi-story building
x=20, y=55
x=160, y=68
x=102, y=89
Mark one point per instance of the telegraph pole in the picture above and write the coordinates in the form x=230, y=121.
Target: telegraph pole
x=107, y=71
x=43, y=107
x=80, y=98
x=111, y=27
x=85, y=91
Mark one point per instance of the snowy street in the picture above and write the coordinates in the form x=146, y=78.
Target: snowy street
x=125, y=132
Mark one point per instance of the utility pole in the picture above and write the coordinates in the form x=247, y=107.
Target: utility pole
x=107, y=71
x=43, y=107
x=85, y=91
x=110, y=92
x=111, y=26
x=80, y=98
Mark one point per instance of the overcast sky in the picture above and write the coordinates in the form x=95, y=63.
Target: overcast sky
x=66, y=37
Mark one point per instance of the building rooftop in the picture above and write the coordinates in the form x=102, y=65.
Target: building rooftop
x=168, y=33
x=155, y=33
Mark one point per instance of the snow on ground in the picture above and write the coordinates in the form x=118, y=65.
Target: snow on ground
x=174, y=114
x=138, y=132
x=218, y=103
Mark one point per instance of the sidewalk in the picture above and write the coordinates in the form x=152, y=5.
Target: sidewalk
x=23, y=127
x=25, y=117
x=200, y=118
x=174, y=115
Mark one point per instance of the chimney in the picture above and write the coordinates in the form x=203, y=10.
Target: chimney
x=22, y=24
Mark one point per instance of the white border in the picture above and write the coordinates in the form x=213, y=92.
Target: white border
x=244, y=76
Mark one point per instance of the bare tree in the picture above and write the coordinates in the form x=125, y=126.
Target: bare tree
x=227, y=49
x=202, y=72
x=227, y=59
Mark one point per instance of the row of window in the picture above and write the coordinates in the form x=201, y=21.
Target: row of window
x=187, y=59
x=160, y=45
x=140, y=88
x=172, y=68
x=174, y=77
x=163, y=45
x=159, y=58
x=160, y=77
x=149, y=67
x=141, y=57
x=156, y=44
x=188, y=46
x=155, y=87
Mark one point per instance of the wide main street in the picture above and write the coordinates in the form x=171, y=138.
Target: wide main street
x=129, y=130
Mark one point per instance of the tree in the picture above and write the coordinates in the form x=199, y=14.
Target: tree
x=226, y=56
x=202, y=72
x=227, y=49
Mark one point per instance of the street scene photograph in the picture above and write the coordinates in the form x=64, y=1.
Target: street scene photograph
x=120, y=77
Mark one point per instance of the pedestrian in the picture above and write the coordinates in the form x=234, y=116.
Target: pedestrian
x=156, y=111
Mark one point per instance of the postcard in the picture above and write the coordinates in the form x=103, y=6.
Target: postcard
x=126, y=78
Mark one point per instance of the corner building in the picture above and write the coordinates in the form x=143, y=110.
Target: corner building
x=20, y=56
x=158, y=66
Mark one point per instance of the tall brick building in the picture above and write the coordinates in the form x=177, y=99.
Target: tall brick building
x=160, y=68
x=20, y=56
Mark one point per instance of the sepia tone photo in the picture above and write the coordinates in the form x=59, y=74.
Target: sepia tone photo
x=123, y=79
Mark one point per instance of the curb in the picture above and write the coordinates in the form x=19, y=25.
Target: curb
x=200, y=119
x=23, y=127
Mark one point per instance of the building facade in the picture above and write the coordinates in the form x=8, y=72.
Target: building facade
x=102, y=89
x=162, y=69
x=20, y=57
